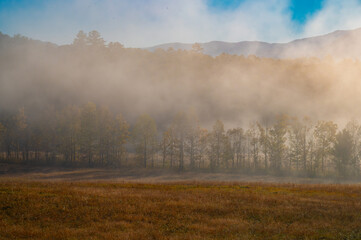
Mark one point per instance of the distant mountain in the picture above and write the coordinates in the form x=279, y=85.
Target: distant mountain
x=339, y=44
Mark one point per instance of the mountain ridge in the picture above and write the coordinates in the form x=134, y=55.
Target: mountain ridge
x=339, y=44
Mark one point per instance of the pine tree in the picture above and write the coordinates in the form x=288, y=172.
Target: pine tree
x=80, y=40
x=95, y=40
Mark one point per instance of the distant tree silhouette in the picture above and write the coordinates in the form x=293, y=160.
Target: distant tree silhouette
x=115, y=46
x=80, y=39
x=95, y=40
x=197, y=48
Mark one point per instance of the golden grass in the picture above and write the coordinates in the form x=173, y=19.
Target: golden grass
x=188, y=210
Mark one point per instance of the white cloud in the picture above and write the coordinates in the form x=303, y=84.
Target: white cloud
x=145, y=23
x=335, y=15
x=141, y=23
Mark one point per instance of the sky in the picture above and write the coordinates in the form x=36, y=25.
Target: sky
x=143, y=23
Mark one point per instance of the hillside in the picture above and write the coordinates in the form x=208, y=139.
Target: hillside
x=236, y=89
x=339, y=44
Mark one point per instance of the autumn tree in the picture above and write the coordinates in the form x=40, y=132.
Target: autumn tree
x=2, y=136
x=278, y=142
x=354, y=128
x=236, y=138
x=120, y=136
x=202, y=147
x=88, y=132
x=105, y=130
x=168, y=146
x=180, y=127
x=254, y=140
x=342, y=152
x=144, y=134
x=67, y=133
x=9, y=136
x=216, y=142
x=165, y=146
x=21, y=135
x=48, y=139
x=325, y=136
x=264, y=141
x=227, y=152
x=299, y=132
x=192, y=137
x=2, y=131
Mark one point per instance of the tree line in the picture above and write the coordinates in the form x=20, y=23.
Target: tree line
x=92, y=136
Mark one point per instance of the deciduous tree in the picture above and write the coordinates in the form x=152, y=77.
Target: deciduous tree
x=144, y=135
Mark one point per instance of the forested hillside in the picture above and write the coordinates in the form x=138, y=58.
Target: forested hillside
x=95, y=104
x=236, y=89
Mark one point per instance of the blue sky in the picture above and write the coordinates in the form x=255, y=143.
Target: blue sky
x=300, y=8
x=140, y=23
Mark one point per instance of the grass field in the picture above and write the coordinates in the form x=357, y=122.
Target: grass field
x=183, y=210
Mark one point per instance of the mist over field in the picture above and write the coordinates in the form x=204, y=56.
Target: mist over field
x=96, y=104
x=192, y=119
x=232, y=102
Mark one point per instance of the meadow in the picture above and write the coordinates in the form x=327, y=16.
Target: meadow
x=178, y=210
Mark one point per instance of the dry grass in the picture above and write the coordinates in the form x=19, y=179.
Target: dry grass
x=188, y=210
x=155, y=175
